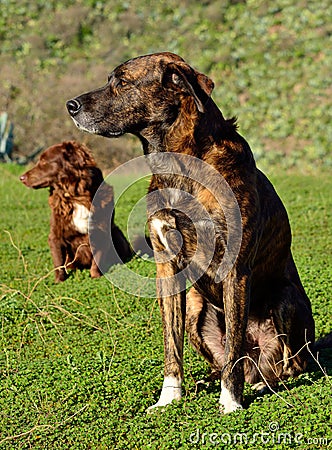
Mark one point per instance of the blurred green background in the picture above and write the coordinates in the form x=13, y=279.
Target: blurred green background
x=270, y=61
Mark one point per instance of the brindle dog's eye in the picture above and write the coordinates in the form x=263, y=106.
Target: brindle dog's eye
x=121, y=83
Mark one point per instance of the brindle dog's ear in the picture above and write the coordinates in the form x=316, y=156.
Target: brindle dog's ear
x=182, y=78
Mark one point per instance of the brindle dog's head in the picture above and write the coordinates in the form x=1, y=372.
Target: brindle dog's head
x=142, y=93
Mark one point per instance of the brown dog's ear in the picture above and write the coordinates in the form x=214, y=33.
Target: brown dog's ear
x=182, y=78
x=77, y=155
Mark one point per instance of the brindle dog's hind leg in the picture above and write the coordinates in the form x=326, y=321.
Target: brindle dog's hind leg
x=205, y=327
x=295, y=325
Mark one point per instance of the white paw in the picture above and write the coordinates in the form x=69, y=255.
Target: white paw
x=260, y=388
x=230, y=407
x=171, y=391
x=227, y=401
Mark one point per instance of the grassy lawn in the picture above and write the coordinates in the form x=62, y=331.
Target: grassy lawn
x=81, y=361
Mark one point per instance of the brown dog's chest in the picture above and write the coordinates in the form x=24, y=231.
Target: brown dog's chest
x=68, y=217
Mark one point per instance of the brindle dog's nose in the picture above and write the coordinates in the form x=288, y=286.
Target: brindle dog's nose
x=73, y=106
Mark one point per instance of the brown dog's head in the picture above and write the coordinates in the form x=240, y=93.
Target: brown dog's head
x=141, y=93
x=61, y=160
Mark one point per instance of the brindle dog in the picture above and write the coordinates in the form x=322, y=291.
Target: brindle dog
x=254, y=322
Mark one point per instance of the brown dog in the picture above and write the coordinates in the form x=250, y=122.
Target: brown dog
x=73, y=177
x=215, y=219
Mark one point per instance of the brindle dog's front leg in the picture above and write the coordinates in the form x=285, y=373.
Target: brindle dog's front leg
x=172, y=302
x=236, y=295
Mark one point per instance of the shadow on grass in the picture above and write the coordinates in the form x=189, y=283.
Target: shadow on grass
x=210, y=384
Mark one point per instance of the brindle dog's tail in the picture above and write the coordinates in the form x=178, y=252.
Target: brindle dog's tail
x=323, y=342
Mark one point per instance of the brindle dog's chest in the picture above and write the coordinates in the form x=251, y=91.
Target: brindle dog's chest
x=189, y=235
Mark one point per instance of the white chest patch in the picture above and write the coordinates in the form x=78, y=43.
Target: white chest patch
x=81, y=216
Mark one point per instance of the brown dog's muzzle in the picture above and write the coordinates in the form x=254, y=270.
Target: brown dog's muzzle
x=24, y=178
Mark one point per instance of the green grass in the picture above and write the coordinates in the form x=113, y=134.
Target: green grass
x=81, y=361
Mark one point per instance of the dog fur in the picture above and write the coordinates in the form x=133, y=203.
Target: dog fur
x=254, y=325
x=73, y=178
